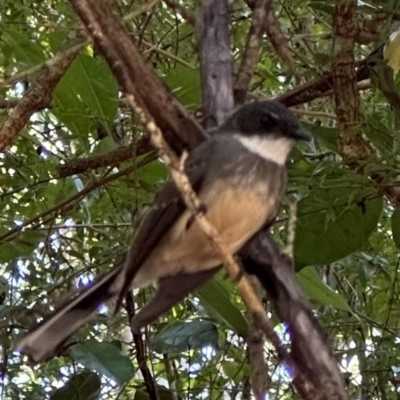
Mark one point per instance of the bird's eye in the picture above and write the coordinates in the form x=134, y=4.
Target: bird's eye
x=269, y=119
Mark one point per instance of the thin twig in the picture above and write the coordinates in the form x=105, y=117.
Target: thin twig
x=310, y=113
x=153, y=47
x=50, y=63
x=140, y=352
x=186, y=14
x=59, y=207
x=114, y=157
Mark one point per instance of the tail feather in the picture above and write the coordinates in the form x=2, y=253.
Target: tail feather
x=47, y=338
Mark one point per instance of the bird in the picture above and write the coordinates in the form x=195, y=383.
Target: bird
x=239, y=174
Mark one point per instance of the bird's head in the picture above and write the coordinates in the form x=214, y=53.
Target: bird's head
x=264, y=118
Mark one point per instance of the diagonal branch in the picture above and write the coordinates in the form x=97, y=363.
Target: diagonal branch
x=137, y=76
x=312, y=354
x=37, y=98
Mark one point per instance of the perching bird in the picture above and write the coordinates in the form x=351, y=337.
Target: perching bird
x=240, y=177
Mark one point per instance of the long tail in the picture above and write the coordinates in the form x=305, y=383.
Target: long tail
x=48, y=337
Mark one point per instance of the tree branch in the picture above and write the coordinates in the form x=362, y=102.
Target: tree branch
x=215, y=62
x=79, y=165
x=249, y=61
x=37, y=98
x=137, y=76
x=63, y=205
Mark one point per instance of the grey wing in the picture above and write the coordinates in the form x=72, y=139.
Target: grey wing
x=167, y=208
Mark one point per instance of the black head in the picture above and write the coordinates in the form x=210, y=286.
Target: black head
x=264, y=117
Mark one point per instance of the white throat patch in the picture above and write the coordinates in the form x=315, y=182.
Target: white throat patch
x=272, y=149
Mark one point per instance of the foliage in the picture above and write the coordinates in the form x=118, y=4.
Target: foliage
x=347, y=233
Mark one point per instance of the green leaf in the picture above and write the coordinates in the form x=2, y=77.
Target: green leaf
x=28, y=240
x=185, y=83
x=162, y=392
x=214, y=296
x=63, y=189
x=153, y=172
x=86, y=95
x=104, y=146
x=104, y=358
x=8, y=252
x=395, y=222
x=57, y=39
x=316, y=290
x=23, y=48
x=83, y=386
x=391, y=51
x=97, y=88
x=333, y=223
x=141, y=395
x=327, y=137
x=236, y=371
x=182, y=336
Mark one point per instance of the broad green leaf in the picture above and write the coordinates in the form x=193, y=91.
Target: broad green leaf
x=8, y=251
x=141, y=395
x=86, y=95
x=333, y=223
x=104, y=146
x=395, y=221
x=322, y=5
x=378, y=128
x=316, y=290
x=162, y=392
x=64, y=189
x=69, y=108
x=185, y=83
x=182, y=336
x=327, y=137
x=57, y=39
x=153, y=172
x=391, y=51
x=28, y=240
x=104, y=358
x=97, y=88
x=23, y=48
x=236, y=371
x=83, y=386
x=214, y=296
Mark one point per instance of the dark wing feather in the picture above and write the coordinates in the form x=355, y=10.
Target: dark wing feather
x=168, y=207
